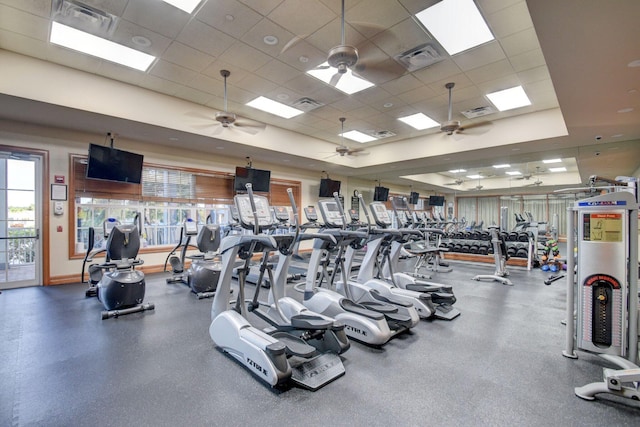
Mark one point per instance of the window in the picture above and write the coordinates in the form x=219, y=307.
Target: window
x=164, y=200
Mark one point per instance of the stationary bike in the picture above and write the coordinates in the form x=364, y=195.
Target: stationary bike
x=116, y=282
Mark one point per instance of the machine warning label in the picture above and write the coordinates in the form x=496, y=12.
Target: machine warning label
x=602, y=227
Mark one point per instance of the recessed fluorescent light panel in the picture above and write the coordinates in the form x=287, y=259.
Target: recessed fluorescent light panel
x=273, y=107
x=513, y=173
x=348, y=83
x=356, y=135
x=509, y=99
x=419, y=121
x=186, y=5
x=475, y=176
x=456, y=24
x=503, y=166
x=96, y=46
x=560, y=169
x=552, y=161
x=457, y=170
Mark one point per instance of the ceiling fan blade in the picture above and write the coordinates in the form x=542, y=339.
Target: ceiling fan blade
x=358, y=153
x=249, y=126
x=218, y=130
x=294, y=41
x=335, y=79
x=200, y=115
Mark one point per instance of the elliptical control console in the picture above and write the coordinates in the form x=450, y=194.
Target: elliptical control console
x=246, y=215
x=380, y=214
x=331, y=214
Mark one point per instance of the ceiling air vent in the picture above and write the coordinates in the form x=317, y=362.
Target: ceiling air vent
x=307, y=104
x=478, y=112
x=83, y=17
x=380, y=134
x=420, y=57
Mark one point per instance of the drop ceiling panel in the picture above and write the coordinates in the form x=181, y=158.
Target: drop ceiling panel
x=303, y=56
x=208, y=84
x=24, y=23
x=245, y=56
x=437, y=71
x=479, y=56
x=23, y=44
x=534, y=74
x=402, y=84
x=256, y=84
x=490, y=71
x=302, y=17
x=73, y=59
x=520, y=42
x=488, y=7
x=36, y=7
x=217, y=13
x=277, y=71
x=380, y=14
x=263, y=7
x=510, y=20
x=175, y=73
x=527, y=60
x=403, y=36
x=255, y=37
x=424, y=94
x=185, y=56
x=158, y=84
x=193, y=95
x=126, y=30
x=330, y=35
x=201, y=36
x=120, y=72
x=159, y=17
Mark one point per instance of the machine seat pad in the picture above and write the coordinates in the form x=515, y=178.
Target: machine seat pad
x=306, y=321
x=390, y=299
x=295, y=345
x=422, y=288
x=352, y=307
x=380, y=307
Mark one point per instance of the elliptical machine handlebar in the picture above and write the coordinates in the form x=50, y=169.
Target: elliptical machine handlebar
x=336, y=197
x=256, y=223
x=366, y=212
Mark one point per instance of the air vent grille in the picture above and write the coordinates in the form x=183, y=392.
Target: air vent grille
x=478, y=112
x=83, y=17
x=420, y=56
x=307, y=104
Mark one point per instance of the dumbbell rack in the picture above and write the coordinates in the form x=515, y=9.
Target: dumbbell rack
x=476, y=246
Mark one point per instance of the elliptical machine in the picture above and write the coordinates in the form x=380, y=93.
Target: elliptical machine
x=178, y=273
x=274, y=356
x=116, y=282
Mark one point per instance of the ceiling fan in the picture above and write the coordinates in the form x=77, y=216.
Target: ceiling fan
x=527, y=175
x=451, y=126
x=228, y=120
x=342, y=149
x=458, y=181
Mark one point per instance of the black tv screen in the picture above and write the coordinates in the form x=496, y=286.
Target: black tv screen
x=328, y=187
x=436, y=200
x=111, y=164
x=258, y=178
x=413, y=198
x=380, y=194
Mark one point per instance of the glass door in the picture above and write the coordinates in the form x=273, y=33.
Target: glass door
x=20, y=244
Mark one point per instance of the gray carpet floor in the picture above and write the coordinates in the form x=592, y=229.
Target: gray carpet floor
x=498, y=364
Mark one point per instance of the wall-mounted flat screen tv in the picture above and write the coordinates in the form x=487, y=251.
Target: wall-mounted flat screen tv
x=328, y=187
x=436, y=200
x=111, y=164
x=380, y=194
x=259, y=179
x=413, y=198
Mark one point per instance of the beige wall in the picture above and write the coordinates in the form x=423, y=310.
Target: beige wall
x=60, y=143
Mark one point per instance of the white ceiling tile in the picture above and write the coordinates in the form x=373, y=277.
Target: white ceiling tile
x=330, y=36
x=175, y=73
x=372, y=16
x=490, y=71
x=207, y=39
x=159, y=17
x=244, y=56
x=510, y=20
x=284, y=95
x=422, y=94
x=372, y=95
x=402, y=37
x=527, y=60
x=126, y=30
x=215, y=13
x=120, y=72
x=402, y=84
x=277, y=71
x=437, y=71
x=255, y=37
x=187, y=57
x=256, y=84
x=73, y=59
x=208, y=85
x=491, y=6
x=301, y=17
x=520, y=42
x=479, y=56
x=364, y=112
x=534, y=74
x=23, y=44
x=306, y=85
x=238, y=95
x=24, y=23
x=263, y=7
x=213, y=71
x=36, y=7
x=158, y=84
x=347, y=104
x=193, y=95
